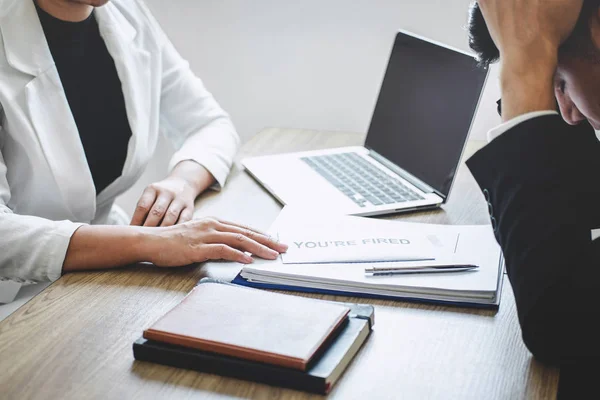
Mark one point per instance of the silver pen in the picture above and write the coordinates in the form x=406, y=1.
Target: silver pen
x=377, y=271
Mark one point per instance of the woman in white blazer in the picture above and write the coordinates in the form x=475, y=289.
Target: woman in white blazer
x=51, y=218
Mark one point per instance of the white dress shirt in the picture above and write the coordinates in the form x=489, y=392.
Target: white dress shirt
x=500, y=129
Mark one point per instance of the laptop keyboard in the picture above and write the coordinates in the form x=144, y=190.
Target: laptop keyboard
x=360, y=180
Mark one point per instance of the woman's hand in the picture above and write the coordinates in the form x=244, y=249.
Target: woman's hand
x=109, y=246
x=165, y=203
x=171, y=201
x=208, y=239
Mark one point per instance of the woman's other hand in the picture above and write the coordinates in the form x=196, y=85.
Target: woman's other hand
x=171, y=201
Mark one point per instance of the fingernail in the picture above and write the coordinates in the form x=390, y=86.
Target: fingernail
x=249, y=260
x=274, y=253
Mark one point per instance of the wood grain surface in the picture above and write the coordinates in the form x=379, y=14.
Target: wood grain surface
x=74, y=340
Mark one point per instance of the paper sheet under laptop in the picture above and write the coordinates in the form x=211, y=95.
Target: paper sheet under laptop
x=449, y=243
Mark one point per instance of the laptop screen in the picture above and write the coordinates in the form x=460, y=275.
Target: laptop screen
x=424, y=111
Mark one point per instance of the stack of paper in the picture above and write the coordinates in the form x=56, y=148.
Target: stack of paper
x=331, y=254
x=8, y=290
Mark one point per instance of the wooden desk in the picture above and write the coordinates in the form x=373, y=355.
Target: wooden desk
x=74, y=340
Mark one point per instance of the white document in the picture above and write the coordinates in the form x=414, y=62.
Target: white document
x=449, y=244
x=355, y=240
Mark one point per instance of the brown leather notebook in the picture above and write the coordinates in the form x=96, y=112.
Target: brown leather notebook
x=250, y=324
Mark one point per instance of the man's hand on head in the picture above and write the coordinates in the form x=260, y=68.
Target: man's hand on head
x=530, y=26
x=528, y=34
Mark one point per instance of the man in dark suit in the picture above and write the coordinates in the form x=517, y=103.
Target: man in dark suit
x=541, y=171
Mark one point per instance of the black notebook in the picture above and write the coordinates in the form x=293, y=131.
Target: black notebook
x=320, y=376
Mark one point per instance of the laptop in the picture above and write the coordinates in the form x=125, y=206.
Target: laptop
x=419, y=128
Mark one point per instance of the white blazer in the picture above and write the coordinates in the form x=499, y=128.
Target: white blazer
x=46, y=188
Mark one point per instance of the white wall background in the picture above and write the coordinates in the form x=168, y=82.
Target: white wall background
x=305, y=64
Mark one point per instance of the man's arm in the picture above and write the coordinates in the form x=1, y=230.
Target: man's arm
x=537, y=178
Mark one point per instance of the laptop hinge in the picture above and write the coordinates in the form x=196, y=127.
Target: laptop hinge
x=404, y=174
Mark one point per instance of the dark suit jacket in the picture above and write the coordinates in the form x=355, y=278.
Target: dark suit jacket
x=542, y=182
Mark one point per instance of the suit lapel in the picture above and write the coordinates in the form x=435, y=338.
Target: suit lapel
x=59, y=138
x=24, y=40
x=47, y=107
